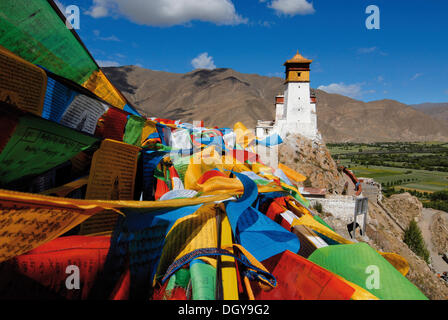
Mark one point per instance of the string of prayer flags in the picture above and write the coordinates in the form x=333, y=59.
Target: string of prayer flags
x=37, y=32
x=27, y=221
x=256, y=232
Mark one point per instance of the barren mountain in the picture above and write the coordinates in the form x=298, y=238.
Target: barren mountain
x=222, y=97
x=342, y=119
x=435, y=110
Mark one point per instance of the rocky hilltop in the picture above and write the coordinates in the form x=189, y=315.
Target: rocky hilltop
x=439, y=232
x=404, y=208
x=314, y=161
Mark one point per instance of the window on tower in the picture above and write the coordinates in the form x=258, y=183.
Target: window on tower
x=299, y=74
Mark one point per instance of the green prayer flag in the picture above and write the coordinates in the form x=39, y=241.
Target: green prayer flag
x=133, y=131
x=38, y=145
x=203, y=280
x=321, y=221
x=364, y=266
x=35, y=32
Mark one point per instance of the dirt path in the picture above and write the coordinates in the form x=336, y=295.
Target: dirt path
x=425, y=223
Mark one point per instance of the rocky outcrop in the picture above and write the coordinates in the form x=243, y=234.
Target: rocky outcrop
x=386, y=236
x=313, y=160
x=404, y=208
x=439, y=232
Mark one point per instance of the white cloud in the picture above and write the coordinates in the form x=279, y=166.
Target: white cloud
x=372, y=50
x=291, y=7
x=203, y=61
x=266, y=24
x=416, y=76
x=169, y=12
x=97, y=34
x=107, y=63
x=349, y=90
x=367, y=50
x=100, y=8
x=119, y=55
x=110, y=38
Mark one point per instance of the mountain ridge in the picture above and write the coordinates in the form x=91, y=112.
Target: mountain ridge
x=224, y=96
x=435, y=110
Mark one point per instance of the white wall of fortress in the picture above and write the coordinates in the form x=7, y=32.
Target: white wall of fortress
x=341, y=207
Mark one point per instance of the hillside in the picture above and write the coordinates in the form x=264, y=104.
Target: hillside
x=219, y=97
x=224, y=96
x=435, y=110
x=384, y=230
x=342, y=119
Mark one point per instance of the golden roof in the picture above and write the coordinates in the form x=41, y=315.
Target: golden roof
x=298, y=58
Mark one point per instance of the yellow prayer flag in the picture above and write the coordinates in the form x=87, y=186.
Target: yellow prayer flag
x=27, y=220
x=291, y=174
x=21, y=83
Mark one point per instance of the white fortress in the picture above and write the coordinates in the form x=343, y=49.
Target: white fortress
x=295, y=110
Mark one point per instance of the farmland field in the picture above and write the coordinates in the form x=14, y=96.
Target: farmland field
x=421, y=167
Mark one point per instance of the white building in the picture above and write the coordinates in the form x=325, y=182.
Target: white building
x=295, y=110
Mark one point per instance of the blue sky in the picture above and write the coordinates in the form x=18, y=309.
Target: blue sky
x=405, y=60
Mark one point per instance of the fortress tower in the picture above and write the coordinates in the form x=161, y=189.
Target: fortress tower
x=296, y=108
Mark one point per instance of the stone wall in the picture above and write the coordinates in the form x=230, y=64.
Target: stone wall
x=371, y=189
x=341, y=207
